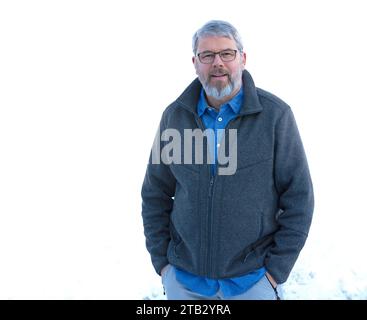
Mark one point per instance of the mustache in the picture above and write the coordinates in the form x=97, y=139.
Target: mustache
x=219, y=72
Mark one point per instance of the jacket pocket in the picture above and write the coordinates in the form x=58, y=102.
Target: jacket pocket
x=176, y=239
x=258, y=248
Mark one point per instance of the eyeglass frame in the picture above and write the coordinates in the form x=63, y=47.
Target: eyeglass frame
x=218, y=53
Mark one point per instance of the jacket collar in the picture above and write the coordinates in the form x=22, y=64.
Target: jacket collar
x=251, y=104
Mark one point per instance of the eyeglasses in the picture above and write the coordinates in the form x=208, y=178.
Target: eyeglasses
x=208, y=57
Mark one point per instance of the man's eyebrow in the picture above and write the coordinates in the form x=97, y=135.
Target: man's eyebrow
x=207, y=51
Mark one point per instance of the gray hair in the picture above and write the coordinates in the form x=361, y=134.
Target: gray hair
x=217, y=28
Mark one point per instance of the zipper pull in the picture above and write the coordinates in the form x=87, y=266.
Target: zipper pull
x=211, y=181
x=211, y=186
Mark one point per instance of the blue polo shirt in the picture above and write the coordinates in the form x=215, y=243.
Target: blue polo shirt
x=215, y=120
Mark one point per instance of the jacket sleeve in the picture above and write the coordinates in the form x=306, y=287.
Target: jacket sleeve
x=296, y=200
x=157, y=201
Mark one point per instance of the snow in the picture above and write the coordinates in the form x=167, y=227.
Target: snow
x=75, y=75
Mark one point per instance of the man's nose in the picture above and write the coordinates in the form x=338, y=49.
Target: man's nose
x=217, y=60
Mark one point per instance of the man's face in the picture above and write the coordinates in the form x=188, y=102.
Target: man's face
x=219, y=79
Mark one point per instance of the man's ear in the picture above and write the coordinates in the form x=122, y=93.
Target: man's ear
x=194, y=63
x=243, y=58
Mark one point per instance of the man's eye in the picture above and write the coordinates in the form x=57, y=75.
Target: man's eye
x=227, y=54
x=207, y=55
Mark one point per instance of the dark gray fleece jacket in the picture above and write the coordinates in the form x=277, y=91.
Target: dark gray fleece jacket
x=228, y=225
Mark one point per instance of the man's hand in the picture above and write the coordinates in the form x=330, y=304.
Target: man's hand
x=271, y=279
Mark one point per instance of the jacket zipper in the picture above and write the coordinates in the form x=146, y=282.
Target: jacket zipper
x=210, y=225
x=208, y=257
x=209, y=265
x=208, y=268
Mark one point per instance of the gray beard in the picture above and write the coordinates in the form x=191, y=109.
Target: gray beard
x=218, y=94
x=222, y=93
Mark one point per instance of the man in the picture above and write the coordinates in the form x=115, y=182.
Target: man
x=232, y=234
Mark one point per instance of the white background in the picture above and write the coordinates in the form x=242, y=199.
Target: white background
x=82, y=88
